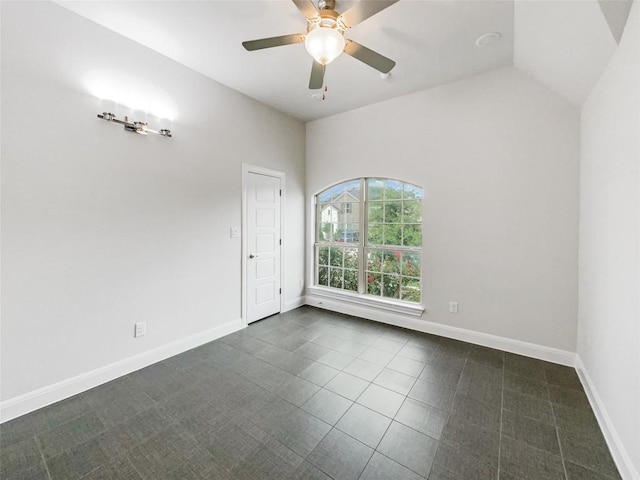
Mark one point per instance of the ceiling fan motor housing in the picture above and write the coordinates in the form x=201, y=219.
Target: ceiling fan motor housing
x=326, y=4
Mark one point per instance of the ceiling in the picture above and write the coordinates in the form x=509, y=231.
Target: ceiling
x=565, y=45
x=433, y=42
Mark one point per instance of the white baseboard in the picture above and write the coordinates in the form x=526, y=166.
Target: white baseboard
x=295, y=303
x=549, y=354
x=28, y=402
x=618, y=451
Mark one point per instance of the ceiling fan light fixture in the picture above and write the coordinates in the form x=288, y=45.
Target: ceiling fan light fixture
x=324, y=44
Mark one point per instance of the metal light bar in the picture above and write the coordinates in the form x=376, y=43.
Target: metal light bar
x=136, y=127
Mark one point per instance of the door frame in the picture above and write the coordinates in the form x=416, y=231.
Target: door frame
x=246, y=170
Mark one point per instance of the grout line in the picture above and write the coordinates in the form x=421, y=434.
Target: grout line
x=368, y=461
x=44, y=461
x=395, y=461
x=504, y=361
x=564, y=467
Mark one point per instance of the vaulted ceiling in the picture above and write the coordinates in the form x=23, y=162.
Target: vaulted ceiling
x=564, y=44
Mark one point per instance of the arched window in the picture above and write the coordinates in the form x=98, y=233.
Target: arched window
x=369, y=238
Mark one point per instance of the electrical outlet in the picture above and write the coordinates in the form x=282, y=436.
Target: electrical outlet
x=234, y=232
x=453, y=307
x=140, y=329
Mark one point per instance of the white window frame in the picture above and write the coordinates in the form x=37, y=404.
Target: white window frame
x=361, y=298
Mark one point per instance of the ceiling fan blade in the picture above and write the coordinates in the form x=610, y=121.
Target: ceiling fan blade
x=307, y=8
x=252, y=45
x=368, y=56
x=317, y=76
x=363, y=10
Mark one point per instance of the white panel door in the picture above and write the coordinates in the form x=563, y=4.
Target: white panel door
x=263, y=246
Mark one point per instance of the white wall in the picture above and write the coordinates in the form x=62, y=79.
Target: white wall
x=102, y=228
x=497, y=156
x=609, y=313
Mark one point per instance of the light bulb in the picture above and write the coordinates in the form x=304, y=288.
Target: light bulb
x=324, y=44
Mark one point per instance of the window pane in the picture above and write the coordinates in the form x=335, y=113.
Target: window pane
x=327, y=195
x=323, y=276
x=410, y=290
x=412, y=236
x=345, y=213
x=373, y=283
x=352, y=188
x=335, y=257
x=325, y=232
x=391, y=262
x=392, y=190
x=327, y=212
x=375, y=189
x=393, y=212
x=351, y=280
x=374, y=260
x=412, y=211
x=351, y=258
x=335, y=278
x=391, y=286
x=411, y=264
x=347, y=233
x=375, y=235
x=400, y=277
x=392, y=235
x=350, y=210
x=323, y=256
x=328, y=219
x=411, y=191
x=334, y=275
x=338, y=192
x=375, y=212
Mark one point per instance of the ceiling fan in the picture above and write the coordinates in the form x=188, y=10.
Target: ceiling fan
x=325, y=40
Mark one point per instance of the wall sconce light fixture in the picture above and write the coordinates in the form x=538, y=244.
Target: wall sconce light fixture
x=140, y=128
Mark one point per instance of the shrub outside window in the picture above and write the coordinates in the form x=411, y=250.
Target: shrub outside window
x=369, y=238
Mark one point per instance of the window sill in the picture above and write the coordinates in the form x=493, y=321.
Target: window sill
x=406, y=308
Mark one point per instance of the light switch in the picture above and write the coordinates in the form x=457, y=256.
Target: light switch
x=234, y=232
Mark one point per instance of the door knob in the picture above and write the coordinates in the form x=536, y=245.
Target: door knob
x=251, y=255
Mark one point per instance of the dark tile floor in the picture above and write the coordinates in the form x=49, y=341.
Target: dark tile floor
x=316, y=395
